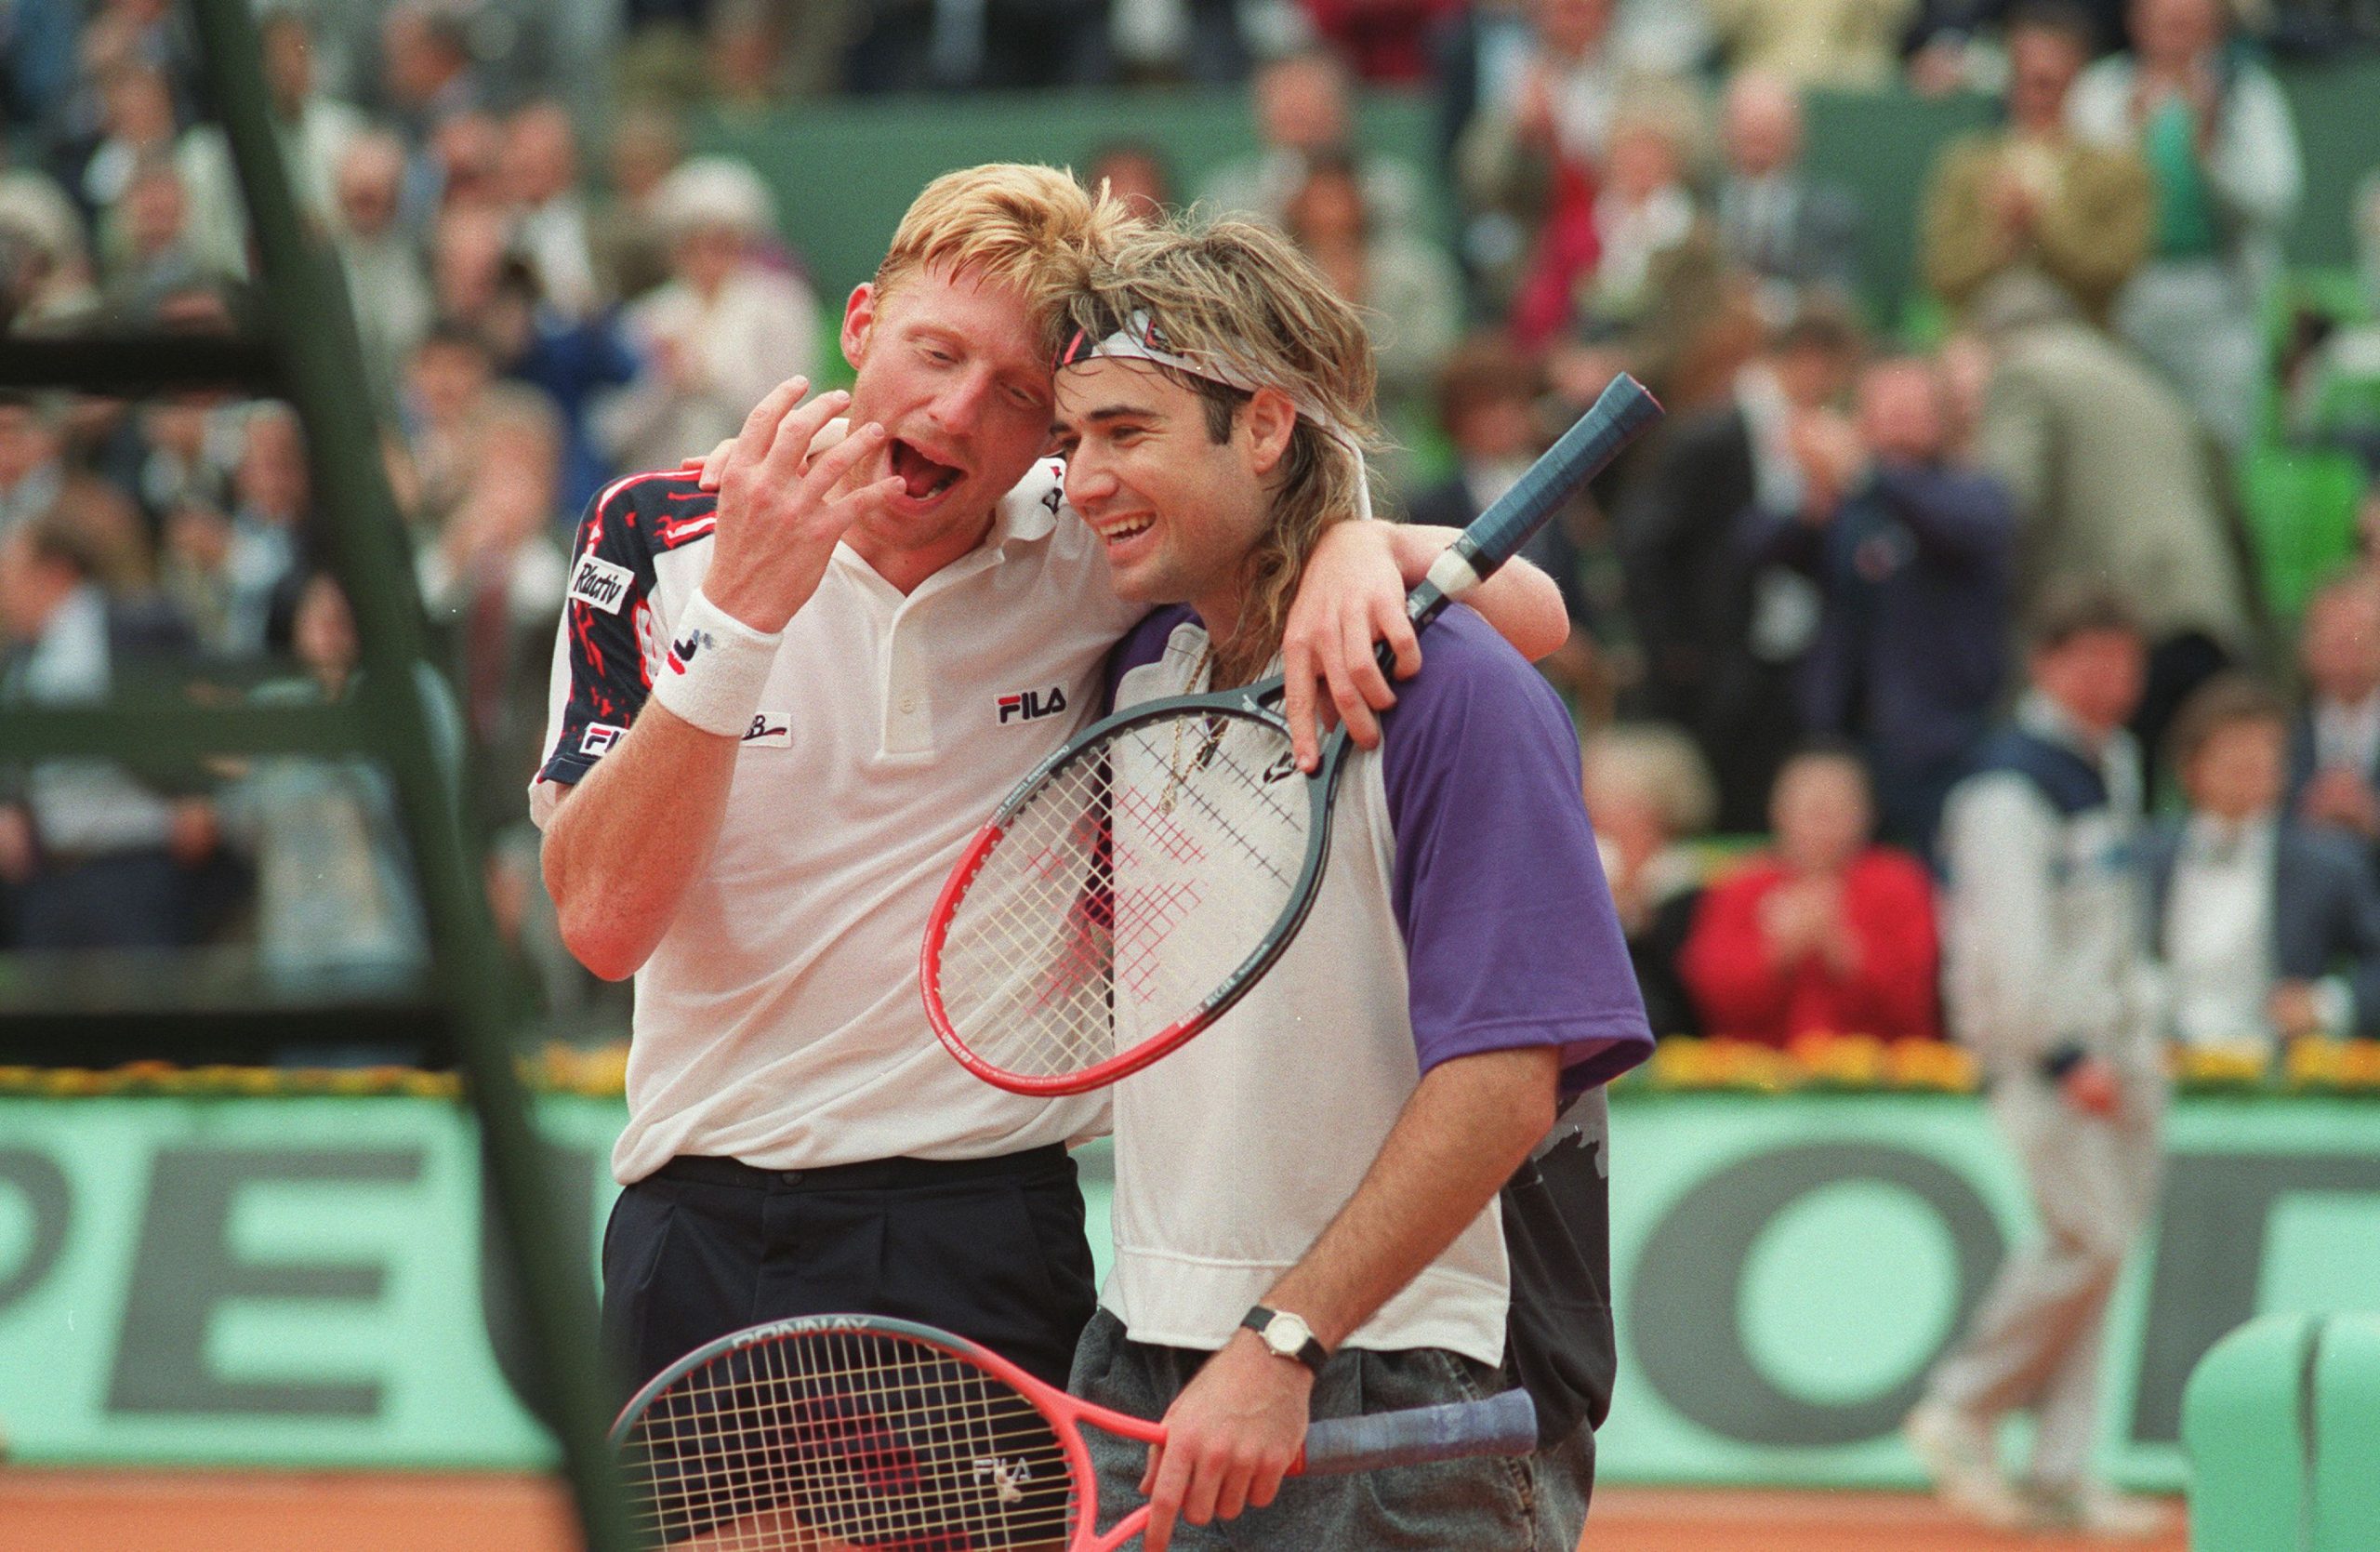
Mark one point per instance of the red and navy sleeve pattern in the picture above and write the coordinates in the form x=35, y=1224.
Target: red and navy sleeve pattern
x=612, y=639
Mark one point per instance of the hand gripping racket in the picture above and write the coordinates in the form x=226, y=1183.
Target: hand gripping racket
x=837, y=1431
x=1140, y=879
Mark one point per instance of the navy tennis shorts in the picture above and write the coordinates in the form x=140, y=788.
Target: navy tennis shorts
x=989, y=1249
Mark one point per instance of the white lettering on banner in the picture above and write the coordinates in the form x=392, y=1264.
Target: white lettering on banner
x=598, y=582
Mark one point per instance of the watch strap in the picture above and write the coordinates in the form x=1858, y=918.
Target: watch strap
x=1313, y=1355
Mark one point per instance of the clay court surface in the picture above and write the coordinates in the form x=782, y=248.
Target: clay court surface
x=116, y=1511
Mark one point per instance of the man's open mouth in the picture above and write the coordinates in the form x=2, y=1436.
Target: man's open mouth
x=922, y=477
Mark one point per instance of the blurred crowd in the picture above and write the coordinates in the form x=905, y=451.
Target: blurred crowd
x=1800, y=609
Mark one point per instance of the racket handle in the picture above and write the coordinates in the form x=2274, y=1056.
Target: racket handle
x=1505, y=1425
x=1622, y=411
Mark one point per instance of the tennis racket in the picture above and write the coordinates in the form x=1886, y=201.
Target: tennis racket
x=1133, y=887
x=836, y=1432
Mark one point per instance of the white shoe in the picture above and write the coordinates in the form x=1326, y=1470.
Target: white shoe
x=1963, y=1460
x=2095, y=1509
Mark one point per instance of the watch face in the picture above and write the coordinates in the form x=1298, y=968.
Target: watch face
x=1287, y=1334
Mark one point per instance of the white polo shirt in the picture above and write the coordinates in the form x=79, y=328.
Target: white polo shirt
x=779, y=1022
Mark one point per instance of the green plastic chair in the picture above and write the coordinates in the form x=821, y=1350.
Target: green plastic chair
x=2347, y=1435
x=2243, y=1432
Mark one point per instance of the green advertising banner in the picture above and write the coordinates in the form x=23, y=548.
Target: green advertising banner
x=308, y=1282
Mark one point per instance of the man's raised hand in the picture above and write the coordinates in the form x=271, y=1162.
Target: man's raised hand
x=781, y=511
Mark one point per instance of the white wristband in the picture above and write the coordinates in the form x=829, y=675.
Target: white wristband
x=716, y=669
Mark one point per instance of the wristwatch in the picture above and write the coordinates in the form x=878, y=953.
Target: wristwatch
x=1286, y=1336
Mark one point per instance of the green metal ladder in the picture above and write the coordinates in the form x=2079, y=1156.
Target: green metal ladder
x=308, y=353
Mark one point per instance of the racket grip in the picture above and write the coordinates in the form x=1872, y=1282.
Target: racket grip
x=1505, y=1425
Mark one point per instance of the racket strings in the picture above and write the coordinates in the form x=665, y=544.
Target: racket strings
x=856, y=1439
x=1124, y=891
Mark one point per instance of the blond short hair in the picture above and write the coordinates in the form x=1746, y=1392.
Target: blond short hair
x=1032, y=229
x=1242, y=300
x=1659, y=765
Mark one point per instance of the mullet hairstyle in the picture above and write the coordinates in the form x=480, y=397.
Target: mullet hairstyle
x=1243, y=299
x=1032, y=229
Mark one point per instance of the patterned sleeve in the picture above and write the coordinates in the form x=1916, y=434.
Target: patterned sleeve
x=606, y=645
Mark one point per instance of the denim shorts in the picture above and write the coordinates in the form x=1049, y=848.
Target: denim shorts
x=1534, y=1504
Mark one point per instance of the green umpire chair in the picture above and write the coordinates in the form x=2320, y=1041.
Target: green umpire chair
x=2282, y=1423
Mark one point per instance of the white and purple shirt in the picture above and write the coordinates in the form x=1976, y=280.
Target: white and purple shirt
x=1463, y=910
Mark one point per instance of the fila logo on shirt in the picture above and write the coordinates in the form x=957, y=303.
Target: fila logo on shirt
x=598, y=582
x=599, y=739
x=1031, y=705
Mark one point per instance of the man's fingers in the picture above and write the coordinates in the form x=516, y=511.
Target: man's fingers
x=800, y=427
x=1232, y=1488
x=829, y=469
x=714, y=464
x=760, y=425
x=1354, y=681
x=1205, y=1473
x=1169, y=1469
x=1297, y=702
x=1395, y=626
x=1363, y=664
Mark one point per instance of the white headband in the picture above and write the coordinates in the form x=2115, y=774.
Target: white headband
x=1140, y=340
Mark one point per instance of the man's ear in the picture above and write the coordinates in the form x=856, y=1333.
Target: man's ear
x=1269, y=419
x=859, y=323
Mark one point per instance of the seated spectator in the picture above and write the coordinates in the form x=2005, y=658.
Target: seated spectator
x=1720, y=633
x=2253, y=911
x=632, y=251
x=1849, y=44
x=2114, y=479
x=1825, y=934
x=1772, y=217
x=2334, y=742
x=549, y=223
x=1646, y=790
x=2215, y=131
x=146, y=242
x=1487, y=395
x=1644, y=213
x=46, y=277
x=385, y=283
x=140, y=127
x=1137, y=174
x=1406, y=287
x=98, y=858
x=33, y=467
x=722, y=333
x=1912, y=559
x=446, y=380
x=572, y=360
x=2032, y=195
x=1303, y=112
x=314, y=130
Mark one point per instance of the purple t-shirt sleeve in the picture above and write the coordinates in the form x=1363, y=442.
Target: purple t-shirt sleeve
x=1511, y=936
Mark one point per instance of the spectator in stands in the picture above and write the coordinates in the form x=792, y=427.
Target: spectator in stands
x=632, y=251
x=2222, y=151
x=2031, y=195
x=33, y=472
x=385, y=283
x=426, y=67
x=44, y=253
x=312, y=131
x=273, y=507
x=1488, y=395
x=2043, y=939
x=1912, y=558
x=97, y=859
x=1305, y=113
x=2334, y=742
x=141, y=128
x=1530, y=163
x=447, y=384
x=147, y=241
x=1136, y=172
x=2114, y=479
x=1826, y=933
x=1406, y=287
x=1385, y=42
x=1772, y=217
x=1644, y=213
x=549, y=221
x=1646, y=790
x=723, y=332
x=2252, y=910
x=1850, y=44
x=1721, y=635
x=572, y=360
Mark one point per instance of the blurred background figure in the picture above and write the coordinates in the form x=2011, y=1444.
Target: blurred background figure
x=314, y=132
x=2032, y=198
x=2044, y=937
x=2252, y=910
x=1304, y=114
x=386, y=281
x=1645, y=214
x=1135, y=173
x=1720, y=633
x=1826, y=933
x=1648, y=791
x=1850, y=43
x=724, y=330
x=1772, y=217
x=632, y=251
x=550, y=220
x=2114, y=478
x=1912, y=556
x=2334, y=739
x=2222, y=153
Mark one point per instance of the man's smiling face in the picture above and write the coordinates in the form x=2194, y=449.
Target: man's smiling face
x=1178, y=509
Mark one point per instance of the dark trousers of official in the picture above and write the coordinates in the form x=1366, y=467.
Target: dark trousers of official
x=990, y=1249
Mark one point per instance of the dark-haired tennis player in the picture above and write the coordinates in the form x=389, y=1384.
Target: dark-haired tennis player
x=1305, y=1209
x=778, y=712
